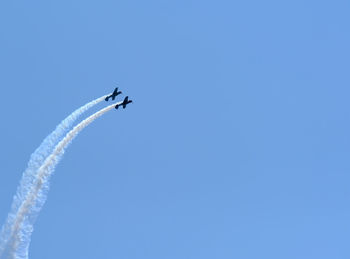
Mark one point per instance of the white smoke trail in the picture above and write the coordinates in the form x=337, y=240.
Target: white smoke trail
x=36, y=160
x=23, y=225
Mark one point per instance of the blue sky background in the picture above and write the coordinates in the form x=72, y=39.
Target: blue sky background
x=237, y=145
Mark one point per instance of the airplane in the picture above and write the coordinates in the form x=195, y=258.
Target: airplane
x=114, y=94
x=124, y=103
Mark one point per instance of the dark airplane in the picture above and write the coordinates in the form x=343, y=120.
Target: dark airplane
x=114, y=94
x=124, y=103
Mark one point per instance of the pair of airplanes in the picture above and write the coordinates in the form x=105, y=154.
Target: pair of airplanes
x=115, y=94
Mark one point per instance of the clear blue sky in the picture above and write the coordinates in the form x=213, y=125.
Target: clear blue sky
x=237, y=145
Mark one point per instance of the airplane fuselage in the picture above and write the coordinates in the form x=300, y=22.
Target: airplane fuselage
x=113, y=95
x=123, y=104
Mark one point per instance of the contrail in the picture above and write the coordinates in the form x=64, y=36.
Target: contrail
x=36, y=159
x=24, y=191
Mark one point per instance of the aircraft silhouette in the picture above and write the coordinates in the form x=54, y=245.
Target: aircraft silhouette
x=124, y=103
x=113, y=95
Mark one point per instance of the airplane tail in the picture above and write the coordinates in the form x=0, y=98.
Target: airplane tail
x=106, y=99
x=117, y=106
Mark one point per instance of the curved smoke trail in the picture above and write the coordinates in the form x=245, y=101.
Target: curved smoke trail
x=28, y=178
x=37, y=196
